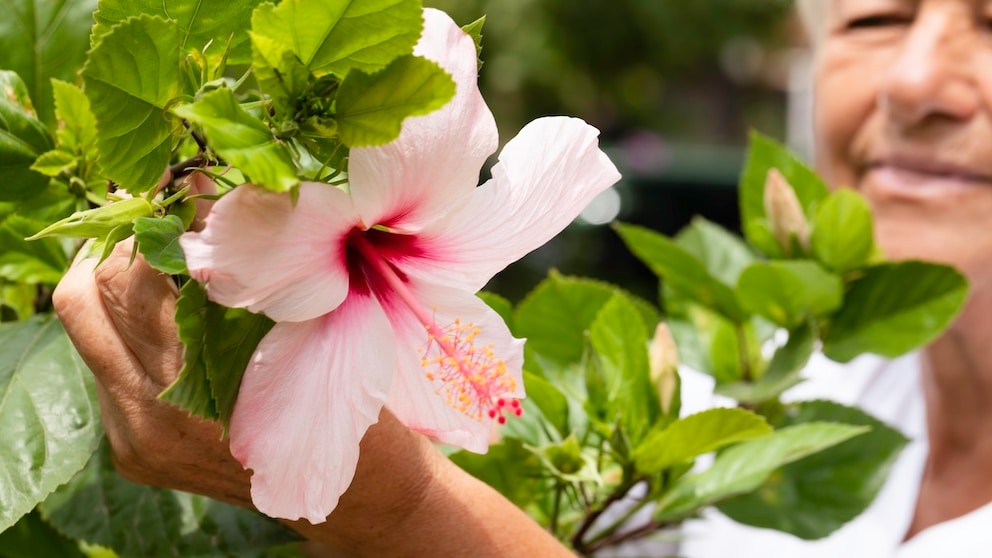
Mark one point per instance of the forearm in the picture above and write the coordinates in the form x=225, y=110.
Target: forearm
x=407, y=499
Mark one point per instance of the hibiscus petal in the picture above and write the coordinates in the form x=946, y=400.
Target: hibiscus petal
x=435, y=162
x=422, y=404
x=544, y=178
x=258, y=251
x=311, y=391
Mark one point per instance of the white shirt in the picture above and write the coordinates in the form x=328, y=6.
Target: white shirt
x=890, y=391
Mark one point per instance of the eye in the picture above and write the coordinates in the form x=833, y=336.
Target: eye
x=877, y=21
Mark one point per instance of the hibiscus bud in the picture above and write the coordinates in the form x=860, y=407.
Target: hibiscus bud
x=784, y=213
x=100, y=221
x=664, y=365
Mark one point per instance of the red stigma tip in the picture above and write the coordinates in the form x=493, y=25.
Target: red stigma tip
x=518, y=411
x=515, y=404
x=501, y=419
x=492, y=413
x=501, y=402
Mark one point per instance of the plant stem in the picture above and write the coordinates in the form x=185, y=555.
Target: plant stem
x=618, y=538
x=556, y=509
x=745, y=360
x=587, y=523
x=612, y=529
x=182, y=168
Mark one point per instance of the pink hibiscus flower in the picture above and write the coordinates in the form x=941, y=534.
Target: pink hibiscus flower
x=373, y=289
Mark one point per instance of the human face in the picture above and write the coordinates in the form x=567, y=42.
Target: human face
x=904, y=115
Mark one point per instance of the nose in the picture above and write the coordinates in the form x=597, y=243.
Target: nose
x=930, y=75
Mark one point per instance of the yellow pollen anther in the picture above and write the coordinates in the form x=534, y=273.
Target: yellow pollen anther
x=472, y=379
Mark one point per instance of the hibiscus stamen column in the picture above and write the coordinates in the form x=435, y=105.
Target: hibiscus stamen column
x=471, y=378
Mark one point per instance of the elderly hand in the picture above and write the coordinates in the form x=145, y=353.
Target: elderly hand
x=120, y=317
x=406, y=498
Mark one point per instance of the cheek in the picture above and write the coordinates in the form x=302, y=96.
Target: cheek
x=845, y=92
x=955, y=232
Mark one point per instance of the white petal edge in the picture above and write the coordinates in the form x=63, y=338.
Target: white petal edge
x=415, y=400
x=309, y=395
x=259, y=251
x=544, y=178
x=435, y=162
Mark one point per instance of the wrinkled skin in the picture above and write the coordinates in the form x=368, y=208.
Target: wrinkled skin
x=904, y=116
x=404, y=500
x=122, y=324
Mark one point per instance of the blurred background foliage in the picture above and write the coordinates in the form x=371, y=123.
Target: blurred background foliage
x=673, y=85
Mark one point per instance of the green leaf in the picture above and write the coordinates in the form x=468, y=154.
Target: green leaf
x=279, y=73
x=232, y=334
x=567, y=461
x=99, y=221
x=337, y=36
x=783, y=371
x=76, y=131
x=100, y=507
x=49, y=411
x=203, y=22
x=550, y=400
x=191, y=390
x=22, y=139
x=509, y=468
x=31, y=537
x=692, y=436
x=131, y=75
x=371, y=108
x=158, y=242
x=218, y=345
x=789, y=292
x=17, y=299
x=45, y=39
x=54, y=162
x=746, y=466
x=724, y=254
x=474, y=30
x=242, y=140
x=620, y=341
x=555, y=316
x=502, y=306
x=815, y=496
x=842, y=237
x=680, y=270
x=765, y=154
x=895, y=308
x=40, y=261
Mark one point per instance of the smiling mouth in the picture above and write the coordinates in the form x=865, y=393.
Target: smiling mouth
x=930, y=171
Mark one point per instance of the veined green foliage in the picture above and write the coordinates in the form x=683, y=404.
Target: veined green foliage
x=692, y=436
x=22, y=138
x=747, y=465
x=132, y=75
x=208, y=26
x=818, y=494
x=100, y=507
x=843, y=234
x=789, y=292
x=49, y=411
x=44, y=39
x=337, y=36
x=894, y=308
x=681, y=270
x=371, y=108
x=219, y=343
x=242, y=140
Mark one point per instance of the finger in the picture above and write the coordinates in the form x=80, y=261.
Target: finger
x=142, y=304
x=79, y=306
